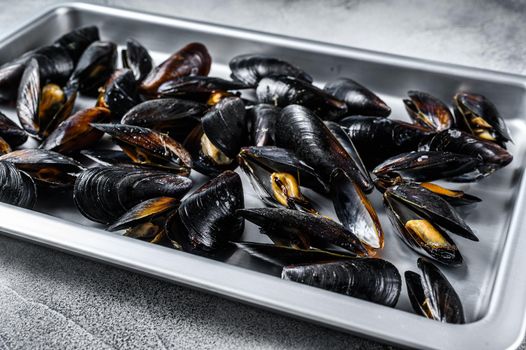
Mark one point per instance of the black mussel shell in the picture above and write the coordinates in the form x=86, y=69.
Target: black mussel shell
x=4, y=147
x=76, y=132
x=29, y=98
x=10, y=75
x=108, y=157
x=146, y=146
x=375, y=280
x=480, y=117
x=11, y=132
x=193, y=59
x=120, y=93
x=420, y=234
x=48, y=168
x=433, y=207
x=262, y=124
x=225, y=127
x=359, y=99
x=301, y=131
x=145, y=211
x=164, y=114
x=106, y=193
x=209, y=214
x=456, y=198
x=95, y=66
x=283, y=91
x=137, y=59
x=378, y=139
x=250, y=69
x=428, y=111
x=492, y=157
x=16, y=187
x=424, y=166
x=432, y=295
x=283, y=256
x=198, y=88
x=55, y=63
x=313, y=230
x=76, y=41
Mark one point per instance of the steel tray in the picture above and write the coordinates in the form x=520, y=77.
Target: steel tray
x=492, y=283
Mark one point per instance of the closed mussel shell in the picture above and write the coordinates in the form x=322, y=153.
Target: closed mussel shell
x=11, y=132
x=16, y=187
x=76, y=41
x=262, y=124
x=120, y=93
x=137, y=59
x=199, y=88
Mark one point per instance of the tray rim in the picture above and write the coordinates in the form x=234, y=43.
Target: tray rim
x=506, y=305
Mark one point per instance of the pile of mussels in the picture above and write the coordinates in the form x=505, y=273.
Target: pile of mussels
x=282, y=131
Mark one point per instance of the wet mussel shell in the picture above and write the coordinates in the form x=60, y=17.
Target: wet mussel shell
x=76, y=41
x=16, y=187
x=104, y=194
x=136, y=58
x=29, y=98
x=198, y=88
x=47, y=168
x=359, y=99
x=282, y=91
x=11, y=132
x=374, y=280
x=206, y=219
x=120, y=93
x=432, y=295
x=261, y=120
x=295, y=226
x=250, y=69
x=428, y=111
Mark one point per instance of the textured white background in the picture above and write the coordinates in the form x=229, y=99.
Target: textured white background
x=50, y=299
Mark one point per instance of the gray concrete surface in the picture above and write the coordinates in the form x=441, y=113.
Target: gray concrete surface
x=49, y=299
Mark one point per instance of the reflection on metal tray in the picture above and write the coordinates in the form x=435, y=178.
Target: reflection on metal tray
x=491, y=284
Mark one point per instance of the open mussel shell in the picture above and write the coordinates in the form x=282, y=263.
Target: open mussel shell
x=262, y=124
x=165, y=114
x=52, y=99
x=283, y=91
x=282, y=256
x=374, y=280
x=355, y=211
x=198, y=88
x=209, y=214
x=193, y=59
x=301, y=131
x=136, y=58
x=359, y=99
x=145, y=211
x=120, y=93
x=274, y=187
x=76, y=132
x=492, y=156
x=251, y=68
x=146, y=146
x=432, y=295
x=76, y=41
x=95, y=66
x=104, y=194
x=16, y=187
x=479, y=116
x=47, y=168
x=29, y=98
x=286, y=225
x=428, y=111
x=378, y=139
x=11, y=132
x=424, y=166
x=4, y=147
x=420, y=234
x=456, y=198
x=428, y=204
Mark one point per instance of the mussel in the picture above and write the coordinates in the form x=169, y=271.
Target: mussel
x=428, y=111
x=283, y=91
x=432, y=295
x=120, y=93
x=136, y=58
x=378, y=139
x=250, y=69
x=104, y=194
x=199, y=88
x=359, y=99
x=47, y=168
x=76, y=132
x=193, y=59
x=303, y=230
x=4, y=147
x=95, y=66
x=477, y=115
x=146, y=146
x=375, y=280
x=76, y=41
x=456, y=198
x=206, y=220
x=262, y=124
x=16, y=187
x=11, y=132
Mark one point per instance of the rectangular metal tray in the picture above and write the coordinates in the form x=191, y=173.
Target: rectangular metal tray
x=491, y=284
